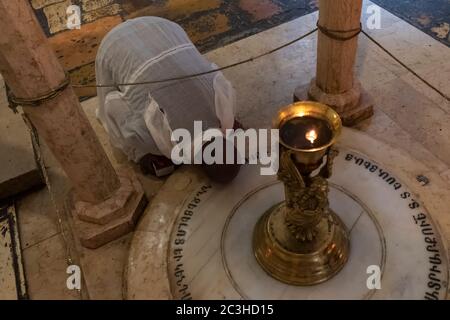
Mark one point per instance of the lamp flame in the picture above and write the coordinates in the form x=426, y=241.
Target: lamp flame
x=311, y=136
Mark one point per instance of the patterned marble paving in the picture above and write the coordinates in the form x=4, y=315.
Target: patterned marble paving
x=423, y=135
x=209, y=23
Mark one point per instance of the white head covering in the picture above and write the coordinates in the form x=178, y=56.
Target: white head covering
x=140, y=119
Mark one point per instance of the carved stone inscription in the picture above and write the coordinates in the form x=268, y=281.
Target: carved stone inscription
x=179, y=237
x=436, y=274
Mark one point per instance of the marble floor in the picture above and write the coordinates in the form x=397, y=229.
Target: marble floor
x=433, y=17
x=210, y=24
x=407, y=112
x=408, y=116
x=195, y=241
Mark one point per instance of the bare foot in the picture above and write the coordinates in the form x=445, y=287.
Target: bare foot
x=158, y=166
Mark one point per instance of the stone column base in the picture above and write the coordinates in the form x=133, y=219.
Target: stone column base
x=96, y=225
x=353, y=106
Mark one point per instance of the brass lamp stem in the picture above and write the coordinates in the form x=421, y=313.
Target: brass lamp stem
x=306, y=197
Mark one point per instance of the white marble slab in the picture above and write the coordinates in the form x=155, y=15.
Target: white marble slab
x=267, y=84
x=253, y=283
x=210, y=248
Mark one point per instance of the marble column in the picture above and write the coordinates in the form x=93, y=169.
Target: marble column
x=335, y=83
x=31, y=69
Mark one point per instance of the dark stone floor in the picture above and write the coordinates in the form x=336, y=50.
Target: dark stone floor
x=431, y=16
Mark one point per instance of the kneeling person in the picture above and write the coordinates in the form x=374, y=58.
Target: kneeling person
x=140, y=118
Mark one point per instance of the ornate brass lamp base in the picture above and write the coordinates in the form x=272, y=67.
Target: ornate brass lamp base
x=300, y=262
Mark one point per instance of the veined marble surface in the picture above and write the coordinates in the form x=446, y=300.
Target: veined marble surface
x=211, y=257
x=206, y=254
x=410, y=118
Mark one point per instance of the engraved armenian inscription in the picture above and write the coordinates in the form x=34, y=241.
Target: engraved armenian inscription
x=179, y=239
x=437, y=277
x=416, y=265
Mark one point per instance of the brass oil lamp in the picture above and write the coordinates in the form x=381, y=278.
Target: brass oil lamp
x=301, y=241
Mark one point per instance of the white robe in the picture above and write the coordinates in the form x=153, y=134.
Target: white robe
x=140, y=119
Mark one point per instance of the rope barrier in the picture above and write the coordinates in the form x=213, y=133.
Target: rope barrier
x=201, y=73
x=14, y=101
x=330, y=33
x=405, y=66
